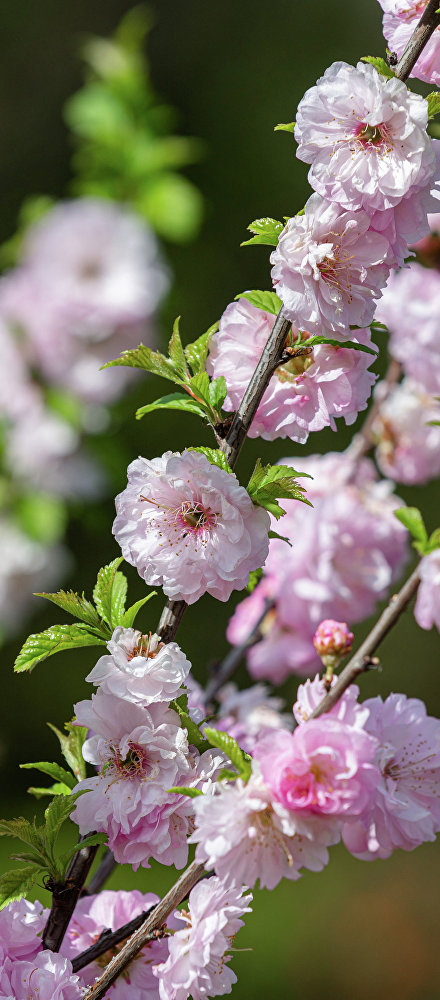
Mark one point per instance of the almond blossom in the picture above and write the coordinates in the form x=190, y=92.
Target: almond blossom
x=427, y=609
x=399, y=22
x=48, y=976
x=189, y=527
x=21, y=926
x=197, y=964
x=140, y=668
x=329, y=268
x=405, y=807
x=407, y=435
x=306, y=393
x=365, y=137
x=347, y=709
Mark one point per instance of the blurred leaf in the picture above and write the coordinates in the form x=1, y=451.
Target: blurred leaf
x=433, y=103
x=192, y=793
x=413, y=521
x=95, y=113
x=254, y=579
x=223, y=741
x=285, y=127
x=41, y=645
x=268, y=301
x=197, y=352
x=75, y=604
x=379, y=64
x=266, y=231
x=269, y=483
x=172, y=205
x=41, y=516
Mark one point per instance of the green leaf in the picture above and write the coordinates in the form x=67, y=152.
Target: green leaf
x=175, y=401
x=74, y=604
x=109, y=592
x=285, y=127
x=53, y=770
x=148, y=360
x=25, y=831
x=192, y=793
x=17, y=883
x=281, y=538
x=266, y=231
x=195, y=736
x=94, y=840
x=55, y=815
x=197, y=352
x=269, y=483
x=268, y=301
x=413, y=521
x=227, y=774
x=176, y=351
x=254, y=579
x=128, y=619
x=218, y=391
x=314, y=341
x=379, y=64
x=214, y=456
x=58, y=788
x=433, y=103
x=229, y=746
x=71, y=747
x=433, y=541
x=41, y=645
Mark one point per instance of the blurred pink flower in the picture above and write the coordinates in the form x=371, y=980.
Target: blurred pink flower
x=407, y=447
x=427, y=609
x=410, y=308
x=48, y=976
x=21, y=926
x=347, y=708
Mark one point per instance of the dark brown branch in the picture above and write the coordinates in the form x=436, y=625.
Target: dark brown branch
x=65, y=897
x=109, y=939
x=361, y=661
x=429, y=21
x=101, y=875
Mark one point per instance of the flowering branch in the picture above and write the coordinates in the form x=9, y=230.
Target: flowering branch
x=361, y=661
x=109, y=939
x=429, y=21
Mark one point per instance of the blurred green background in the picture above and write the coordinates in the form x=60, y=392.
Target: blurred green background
x=233, y=71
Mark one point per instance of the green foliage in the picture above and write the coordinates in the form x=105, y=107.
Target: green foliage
x=148, y=360
x=413, y=521
x=269, y=483
x=314, y=341
x=281, y=538
x=41, y=516
x=192, y=793
x=195, y=736
x=197, y=352
x=123, y=147
x=75, y=604
x=32, y=209
x=379, y=64
x=54, y=771
x=109, y=593
x=41, y=645
x=254, y=579
x=175, y=401
x=433, y=103
x=268, y=301
x=229, y=746
x=176, y=352
x=129, y=616
x=285, y=127
x=71, y=747
x=18, y=882
x=214, y=456
x=40, y=792
x=266, y=231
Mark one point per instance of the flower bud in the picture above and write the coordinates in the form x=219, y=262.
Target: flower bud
x=332, y=641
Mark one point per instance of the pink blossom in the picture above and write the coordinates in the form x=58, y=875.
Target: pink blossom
x=21, y=926
x=249, y=714
x=197, y=961
x=410, y=308
x=140, y=668
x=324, y=767
x=189, y=526
x=332, y=640
x=427, y=609
x=346, y=552
x=26, y=566
x=111, y=910
x=17, y=392
x=399, y=22
x=329, y=267
x=365, y=137
x=347, y=708
x=244, y=835
x=305, y=394
x=405, y=807
x=48, y=976
x=408, y=448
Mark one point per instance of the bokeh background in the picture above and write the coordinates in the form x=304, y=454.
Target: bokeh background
x=233, y=70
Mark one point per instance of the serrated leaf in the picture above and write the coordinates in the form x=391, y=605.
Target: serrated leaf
x=413, y=521
x=41, y=645
x=176, y=351
x=119, y=594
x=285, y=127
x=55, y=815
x=229, y=746
x=175, y=401
x=58, y=788
x=53, y=770
x=268, y=301
x=218, y=391
x=266, y=231
x=195, y=736
x=254, y=579
x=352, y=344
x=129, y=617
x=197, y=352
x=379, y=64
x=71, y=747
x=25, y=831
x=148, y=360
x=94, y=840
x=192, y=793
x=269, y=483
x=103, y=589
x=75, y=604
x=281, y=538
x=214, y=456
x=17, y=883
x=433, y=103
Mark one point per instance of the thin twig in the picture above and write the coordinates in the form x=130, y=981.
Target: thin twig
x=235, y=656
x=141, y=937
x=361, y=661
x=362, y=442
x=429, y=21
x=109, y=939
x=103, y=872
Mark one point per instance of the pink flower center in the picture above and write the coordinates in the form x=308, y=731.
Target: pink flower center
x=148, y=647
x=195, y=518
x=135, y=764
x=335, y=270
x=373, y=137
x=191, y=518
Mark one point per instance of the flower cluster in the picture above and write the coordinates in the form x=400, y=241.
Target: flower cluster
x=346, y=552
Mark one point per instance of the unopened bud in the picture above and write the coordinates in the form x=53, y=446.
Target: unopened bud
x=332, y=641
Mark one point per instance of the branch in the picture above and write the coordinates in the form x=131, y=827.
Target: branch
x=361, y=661
x=65, y=897
x=362, y=442
x=141, y=937
x=235, y=656
x=429, y=21
x=109, y=939
x=101, y=875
